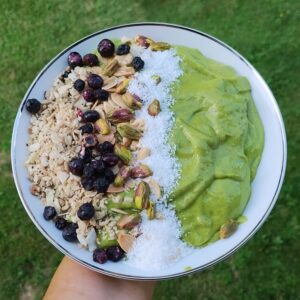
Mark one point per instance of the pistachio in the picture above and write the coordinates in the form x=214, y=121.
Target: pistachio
x=122, y=87
x=120, y=115
x=154, y=108
x=122, y=175
x=126, y=141
x=123, y=153
x=141, y=197
x=151, y=211
x=228, y=229
x=155, y=188
x=159, y=46
x=140, y=171
x=143, y=153
x=126, y=130
x=156, y=79
x=111, y=67
x=143, y=41
x=125, y=241
x=131, y=101
x=129, y=221
x=102, y=126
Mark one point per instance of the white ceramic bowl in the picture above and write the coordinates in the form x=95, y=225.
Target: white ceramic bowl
x=265, y=188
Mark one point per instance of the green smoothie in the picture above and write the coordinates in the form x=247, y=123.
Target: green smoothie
x=219, y=139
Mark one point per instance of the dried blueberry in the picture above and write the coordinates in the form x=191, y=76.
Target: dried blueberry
x=74, y=60
x=90, y=141
x=49, y=213
x=88, y=95
x=60, y=223
x=33, y=105
x=106, y=48
x=101, y=95
x=114, y=253
x=110, y=159
x=95, y=81
x=69, y=232
x=87, y=183
x=88, y=170
x=106, y=147
x=76, y=166
x=98, y=166
x=90, y=116
x=123, y=49
x=90, y=60
x=86, y=155
x=109, y=175
x=101, y=184
x=138, y=63
x=79, y=85
x=65, y=74
x=87, y=128
x=86, y=211
x=100, y=256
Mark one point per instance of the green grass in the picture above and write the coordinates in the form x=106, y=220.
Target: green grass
x=265, y=32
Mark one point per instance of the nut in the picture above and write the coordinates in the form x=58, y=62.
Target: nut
x=122, y=175
x=123, y=153
x=155, y=188
x=143, y=41
x=125, y=241
x=141, y=171
x=102, y=126
x=156, y=79
x=151, y=211
x=132, y=101
x=126, y=130
x=141, y=197
x=159, y=46
x=143, y=153
x=228, y=229
x=122, y=87
x=111, y=67
x=129, y=221
x=154, y=108
x=120, y=115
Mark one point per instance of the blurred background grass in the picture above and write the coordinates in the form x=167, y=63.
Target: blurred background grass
x=265, y=32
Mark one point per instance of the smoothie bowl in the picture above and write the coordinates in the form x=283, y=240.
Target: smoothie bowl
x=148, y=151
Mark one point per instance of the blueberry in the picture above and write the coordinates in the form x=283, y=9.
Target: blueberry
x=87, y=183
x=100, y=256
x=114, y=253
x=74, y=60
x=95, y=81
x=90, y=141
x=138, y=63
x=98, y=166
x=88, y=170
x=123, y=49
x=90, y=116
x=65, y=74
x=86, y=211
x=88, y=95
x=106, y=48
x=87, y=128
x=101, y=95
x=110, y=159
x=33, y=105
x=76, y=166
x=87, y=155
x=101, y=184
x=106, y=147
x=79, y=85
x=69, y=232
x=49, y=213
x=60, y=223
x=109, y=175
x=90, y=60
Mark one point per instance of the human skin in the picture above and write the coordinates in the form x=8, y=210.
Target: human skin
x=74, y=281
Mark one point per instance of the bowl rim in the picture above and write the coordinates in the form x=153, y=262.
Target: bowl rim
x=183, y=273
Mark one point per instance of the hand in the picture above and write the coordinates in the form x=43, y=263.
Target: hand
x=73, y=281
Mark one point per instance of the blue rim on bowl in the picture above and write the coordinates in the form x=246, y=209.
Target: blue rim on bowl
x=186, y=272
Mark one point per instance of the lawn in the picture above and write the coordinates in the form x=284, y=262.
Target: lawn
x=265, y=32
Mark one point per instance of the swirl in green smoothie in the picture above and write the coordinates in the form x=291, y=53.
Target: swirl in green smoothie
x=219, y=139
